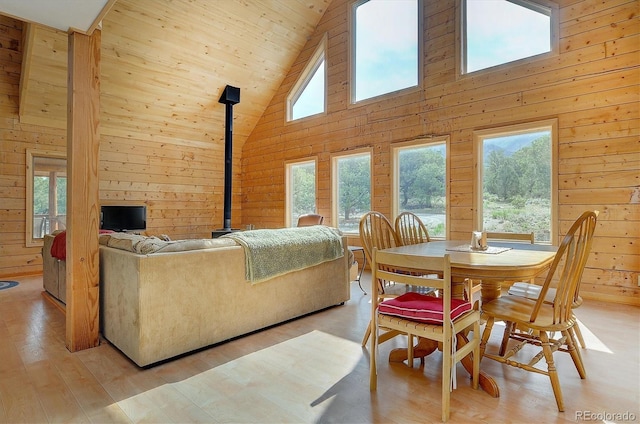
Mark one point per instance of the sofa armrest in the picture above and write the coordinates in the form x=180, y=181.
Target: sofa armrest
x=49, y=268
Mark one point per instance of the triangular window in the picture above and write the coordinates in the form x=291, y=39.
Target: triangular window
x=308, y=96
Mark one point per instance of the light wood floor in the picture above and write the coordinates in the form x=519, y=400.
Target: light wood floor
x=311, y=370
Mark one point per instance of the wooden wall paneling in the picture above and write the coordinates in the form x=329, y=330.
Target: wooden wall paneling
x=166, y=108
x=620, y=46
x=573, y=122
x=15, y=257
x=607, y=179
x=43, y=95
x=162, y=69
x=618, y=261
x=28, y=40
x=576, y=11
x=590, y=86
x=611, y=24
x=604, y=195
x=620, y=213
x=600, y=147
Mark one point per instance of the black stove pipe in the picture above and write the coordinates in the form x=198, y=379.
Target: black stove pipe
x=230, y=96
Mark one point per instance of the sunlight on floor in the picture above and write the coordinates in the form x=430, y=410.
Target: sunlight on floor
x=314, y=363
x=591, y=340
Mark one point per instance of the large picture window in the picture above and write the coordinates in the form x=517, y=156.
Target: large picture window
x=420, y=183
x=46, y=194
x=301, y=190
x=516, y=189
x=495, y=32
x=351, y=182
x=386, y=43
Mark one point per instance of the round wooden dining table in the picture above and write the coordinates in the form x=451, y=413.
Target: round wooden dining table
x=502, y=262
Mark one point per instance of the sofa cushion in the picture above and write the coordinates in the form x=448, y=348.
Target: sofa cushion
x=146, y=245
x=155, y=245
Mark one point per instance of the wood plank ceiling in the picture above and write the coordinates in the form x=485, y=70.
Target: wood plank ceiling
x=165, y=63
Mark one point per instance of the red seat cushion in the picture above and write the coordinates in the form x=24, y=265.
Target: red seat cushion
x=420, y=307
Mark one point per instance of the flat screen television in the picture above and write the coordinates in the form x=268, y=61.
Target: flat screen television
x=123, y=218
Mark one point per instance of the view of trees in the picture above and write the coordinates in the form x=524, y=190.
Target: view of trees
x=44, y=219
x=517, y=189
x=516, y=186
x=422, y=183
x=354, y=189
x=303, y=180
x=41, y=195
x=422, y=178
x=525, y=174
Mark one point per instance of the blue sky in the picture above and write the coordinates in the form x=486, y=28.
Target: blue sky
x=387, y=51
x=499, y=31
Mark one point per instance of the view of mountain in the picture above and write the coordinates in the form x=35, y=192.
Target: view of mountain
x=510, y=144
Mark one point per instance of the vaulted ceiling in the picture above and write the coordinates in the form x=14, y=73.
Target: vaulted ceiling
x=165, y=63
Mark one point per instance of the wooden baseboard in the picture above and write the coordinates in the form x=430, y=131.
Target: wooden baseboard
x=55, y=302
x=14, y=275
x=611, y=298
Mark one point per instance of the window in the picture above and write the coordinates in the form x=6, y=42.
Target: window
x=300, y=187
x=351, y=189
x=502, y=31
x=516, y=190
x=46, y=194
x=385, y=47
x=420, y=183
x=308, y=96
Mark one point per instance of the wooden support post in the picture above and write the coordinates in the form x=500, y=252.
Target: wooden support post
x=83, y=216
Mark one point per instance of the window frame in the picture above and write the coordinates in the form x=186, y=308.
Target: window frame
x=334, y=183
x=31, y=154
x=288, y=186
x=461, y=39
x=396, y=148
x=351, y=101
x=319, y=56
x=480, y=135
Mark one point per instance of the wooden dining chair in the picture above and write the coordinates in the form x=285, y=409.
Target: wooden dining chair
x=510, y=237
x=376, y=231
x=410, y=229
x=541, y=318
x=441, y=319
x=526, y=237
x=310, y=219
x=532, y=291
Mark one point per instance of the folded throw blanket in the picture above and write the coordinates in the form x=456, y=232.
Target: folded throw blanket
x=269, y=253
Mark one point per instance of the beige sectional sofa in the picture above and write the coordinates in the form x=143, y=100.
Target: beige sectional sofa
x=160, y=305
x=54, y=271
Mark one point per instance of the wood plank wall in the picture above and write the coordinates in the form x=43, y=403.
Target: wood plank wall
x=15, y=138
x=179, y=177
x=591, y=87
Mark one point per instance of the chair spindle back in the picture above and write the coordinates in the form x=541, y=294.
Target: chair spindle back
x=567, y=268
